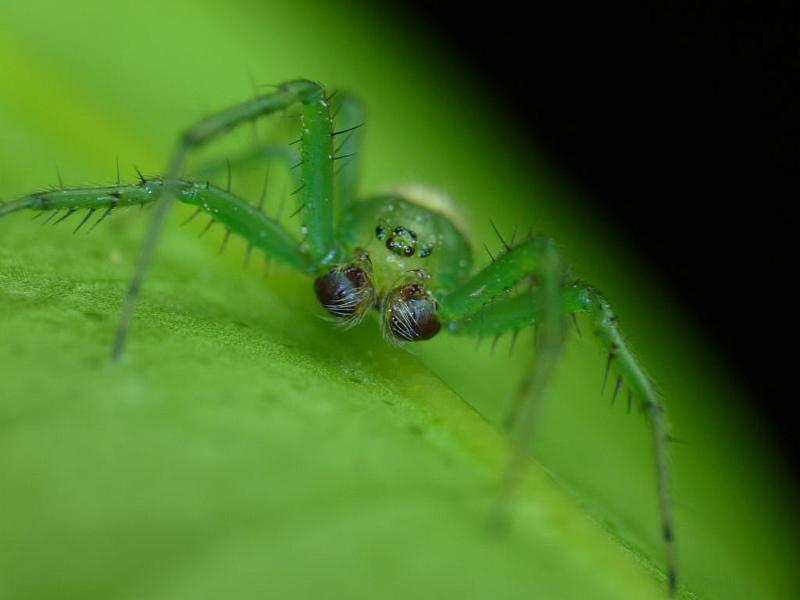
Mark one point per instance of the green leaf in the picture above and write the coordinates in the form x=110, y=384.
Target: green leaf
x=247, y=448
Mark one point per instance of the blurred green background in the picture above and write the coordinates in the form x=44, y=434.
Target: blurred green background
x=246, y=448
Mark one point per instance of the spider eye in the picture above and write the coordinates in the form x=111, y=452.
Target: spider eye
x=410, y=313
x=402, y=242
x=345, y=291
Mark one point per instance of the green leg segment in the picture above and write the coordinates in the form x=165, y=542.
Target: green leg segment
x=317, y=192
x=237, y=215
x=311, y=95
x=537, y=257
x=350, y=117
x=481, y=304
x=513, y=313
x=257, y=156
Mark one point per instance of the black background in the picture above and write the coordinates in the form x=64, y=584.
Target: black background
x=694, y=100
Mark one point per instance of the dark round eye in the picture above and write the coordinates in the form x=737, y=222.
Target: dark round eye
x=345, y=291
x=402, y=241
x=410, y=314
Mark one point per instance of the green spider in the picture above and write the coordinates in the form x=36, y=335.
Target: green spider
x=402, y=254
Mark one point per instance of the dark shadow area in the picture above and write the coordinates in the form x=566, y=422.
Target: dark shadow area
x=676, y=118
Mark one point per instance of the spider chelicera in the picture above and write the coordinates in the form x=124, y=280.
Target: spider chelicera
x=403, y=255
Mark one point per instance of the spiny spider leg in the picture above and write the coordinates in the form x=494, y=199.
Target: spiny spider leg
x=317, y=174
x=479, y=308
x=237, y=215
x=255, y=156
x=350, y=116
x=537, y=257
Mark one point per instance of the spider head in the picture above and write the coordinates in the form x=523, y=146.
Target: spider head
x=347, y=290
x=408, y=311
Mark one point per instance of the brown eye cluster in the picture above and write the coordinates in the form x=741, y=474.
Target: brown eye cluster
x=409, y=313
x=346, y=291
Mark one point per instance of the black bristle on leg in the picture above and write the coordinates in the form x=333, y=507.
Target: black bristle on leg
x=206, y=228
x=513, y=342
x=192, y=216
x=342, y=166
x=342, y=143
x=89, y=213
x=611, y=355
x=494, y=343
x=52, y=216
x=70, y=212
x=224, y=243
x=617, y=386
x=575, y=323
x=497, y=233
x=142, y=179
x=348, y=130
x=263, y=196
x=103, y=216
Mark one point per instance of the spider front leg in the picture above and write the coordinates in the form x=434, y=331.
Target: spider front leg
x=499, y=315
x=316, y=198
x=237, y=215
x=540, y=259
x=350, y=117
x=536, y=257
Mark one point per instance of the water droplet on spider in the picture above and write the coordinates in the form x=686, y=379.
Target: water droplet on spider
x=329, y=257
x=304, y=230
